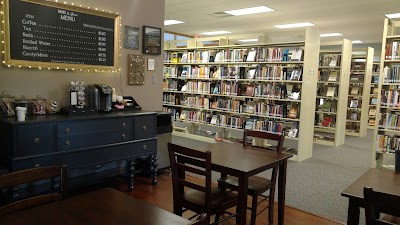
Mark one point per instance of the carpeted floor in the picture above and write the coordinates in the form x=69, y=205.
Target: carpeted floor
x=314, y=185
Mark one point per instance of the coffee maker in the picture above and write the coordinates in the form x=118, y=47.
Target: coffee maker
x=99, y=97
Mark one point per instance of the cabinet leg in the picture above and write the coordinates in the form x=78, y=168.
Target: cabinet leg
x=154, y=164
x=131, y=175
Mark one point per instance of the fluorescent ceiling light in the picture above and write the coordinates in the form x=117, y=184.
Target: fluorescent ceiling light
x=249, y=40
x=393, y=15
x=331, y=35
x=357, y=42
x=293, y=25
x=216, y=32
x=172, y=22
x=252, y=10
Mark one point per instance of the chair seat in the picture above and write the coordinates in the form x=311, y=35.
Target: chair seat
x=218, y=197
x=255, y=184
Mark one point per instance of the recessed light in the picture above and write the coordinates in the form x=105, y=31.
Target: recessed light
x=216, y=32
x=331, y=35
x=172, y=22
x=357, y=42
x=293, y=25
x=248, y=40
x=252, y=10
x=393, y=15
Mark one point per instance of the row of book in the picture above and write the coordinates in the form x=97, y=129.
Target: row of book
x=391, y=75
x=258, y=54
x=265, y=72
x=270, y=126
x=330, y=59
x=386, y=143
x=326, y=105
x=392, y=51
x=389, y=121
x=390, y=98
x=328, y=75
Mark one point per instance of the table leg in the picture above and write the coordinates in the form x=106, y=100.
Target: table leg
x=282, y=192
x=242, y=201
x=353, y=213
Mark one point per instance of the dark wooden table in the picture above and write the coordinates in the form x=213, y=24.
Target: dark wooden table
x=243, y=162
x=105, y=206
x=380, y=180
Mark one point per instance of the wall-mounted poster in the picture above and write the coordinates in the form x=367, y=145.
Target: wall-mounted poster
x=151, y=40
x=131, y=37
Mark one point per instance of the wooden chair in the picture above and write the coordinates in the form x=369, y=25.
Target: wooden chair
x=203, y=219
x=192, y=196
x=257, y=185
x=12, y=180
x=378, y=202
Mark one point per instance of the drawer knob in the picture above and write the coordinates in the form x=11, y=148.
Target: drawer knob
x=144, y=147
x=67, y=143
x=37, y=140
x=123, y=136
x=123, y=124
x=67, y=130
x=144, y=127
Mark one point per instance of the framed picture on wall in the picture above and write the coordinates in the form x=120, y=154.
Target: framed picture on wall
x=131, y=38
x=151, y=40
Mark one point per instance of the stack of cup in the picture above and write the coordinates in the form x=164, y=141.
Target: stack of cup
x=21, y=113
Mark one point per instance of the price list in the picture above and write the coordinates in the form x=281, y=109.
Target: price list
x=42, y=33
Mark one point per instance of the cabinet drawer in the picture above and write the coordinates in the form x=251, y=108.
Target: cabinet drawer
x=93, y=127
x=34, y=140
x=92, y=140
x=144, y=127
x=100, y=155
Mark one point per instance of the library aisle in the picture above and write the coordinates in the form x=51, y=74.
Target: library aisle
x=314, y=185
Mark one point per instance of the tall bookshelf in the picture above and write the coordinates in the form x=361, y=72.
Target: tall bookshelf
x=256, y=86
x=359, y=94
x=373, y=97
x=331, y=100
x=387, y=129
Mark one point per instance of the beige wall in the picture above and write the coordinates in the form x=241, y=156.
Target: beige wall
x=53, y=85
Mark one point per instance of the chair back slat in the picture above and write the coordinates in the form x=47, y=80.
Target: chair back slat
x=14, y=179
x=29, y=176
x=185, y=160
x=191, y=169
x=378, y=202
x=29, y=202
x=265, y=135
x=190, y=185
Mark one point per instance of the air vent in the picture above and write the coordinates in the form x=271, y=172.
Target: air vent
x=221, y=14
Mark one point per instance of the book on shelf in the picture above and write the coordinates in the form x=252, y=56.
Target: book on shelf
x=326, y=105
x=296, y=74
x=374, y=101
x=354, y=103
x=251, y=57
x=331, y=92
x=372, y=112
x=294, y=95
x=354, y=116
x=296, y=54
x=249, y=124
x=251, y=74
x=329, y=59
x=333, y=76
x=327, y=120
x=250, y=90
x=375, y=90
x=354, y=90
x=392, y=51
x=334, y=60
x=292, y=111
x=292, y=133
x=371, y=122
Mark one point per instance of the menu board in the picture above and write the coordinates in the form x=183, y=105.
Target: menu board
x=49, y=33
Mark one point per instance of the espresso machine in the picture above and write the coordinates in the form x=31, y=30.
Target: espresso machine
x=100, y=97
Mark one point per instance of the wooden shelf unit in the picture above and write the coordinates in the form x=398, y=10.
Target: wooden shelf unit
x=359, y=90
x=330, y=125
x=200, y=102
x=386, y=128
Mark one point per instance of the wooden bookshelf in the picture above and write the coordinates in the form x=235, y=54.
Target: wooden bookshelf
x=387, y=129
x=332, y=91
x=359, y=91
x=231, y=90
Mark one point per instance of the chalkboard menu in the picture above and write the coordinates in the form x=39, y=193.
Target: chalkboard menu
x=49, y=34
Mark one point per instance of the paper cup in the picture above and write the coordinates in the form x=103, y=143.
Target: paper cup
x=21, y=113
